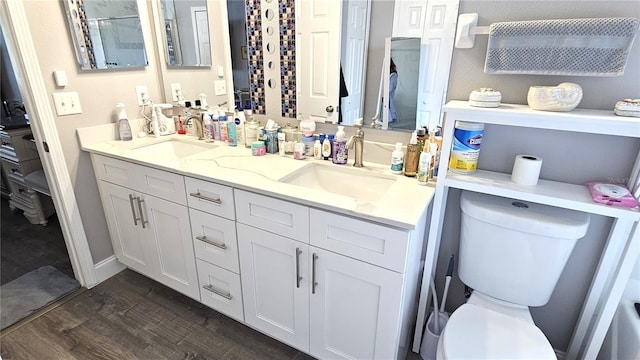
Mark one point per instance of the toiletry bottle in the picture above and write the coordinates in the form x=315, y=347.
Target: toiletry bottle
x=251, y=131
x=339, y=147
x=317, y=150
x=422, y=137
x=206, y=127
x=222, y=118
x=281, y=141
x=412, y=156
x=433, y=150
x=424, y=165
x=438, y=141
x=232, y=133
x=326, y=147
x=155, y=125
x=240, y=120
x=397, y=159
x=181, y=129
x=123, y=123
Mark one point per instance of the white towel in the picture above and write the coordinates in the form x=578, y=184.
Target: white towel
x=578, y=47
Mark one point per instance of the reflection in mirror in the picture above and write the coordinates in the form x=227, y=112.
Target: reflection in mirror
x=186, y=32
x=106, y=33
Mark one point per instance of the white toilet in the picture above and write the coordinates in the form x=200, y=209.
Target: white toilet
x=512, y=254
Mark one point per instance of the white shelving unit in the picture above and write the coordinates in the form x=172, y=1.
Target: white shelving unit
x=622, y=247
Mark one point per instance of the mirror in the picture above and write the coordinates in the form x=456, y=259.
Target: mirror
x=186, y=32
x=106, y=33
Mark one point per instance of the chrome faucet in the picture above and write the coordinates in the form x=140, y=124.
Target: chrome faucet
x=197, y=118
x=358, y=140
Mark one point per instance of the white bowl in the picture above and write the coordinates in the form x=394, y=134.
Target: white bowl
x=564, y=97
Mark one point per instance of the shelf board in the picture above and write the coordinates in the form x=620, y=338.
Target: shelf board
x=553, y=193
x=579, y=120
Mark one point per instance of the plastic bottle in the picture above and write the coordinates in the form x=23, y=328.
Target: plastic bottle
x=433, y=150
x=232, y=133
x=251, y=131
x=412, y=156
x=438, y=141
x=424, y=165
x=281, y=141
x=397, y=159
x=240, y=129
x=222, y=118
x=422, y=137
x=339, y=147
x=317, y=150
x=123, y=123
x=326, y=147
x=155, y=125
x=181, y=129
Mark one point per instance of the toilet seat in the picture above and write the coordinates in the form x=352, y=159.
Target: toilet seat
x=474, y=332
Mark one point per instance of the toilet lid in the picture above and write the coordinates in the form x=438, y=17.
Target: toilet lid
x=474, y=332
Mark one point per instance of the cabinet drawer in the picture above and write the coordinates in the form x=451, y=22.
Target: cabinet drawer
x=214, y=240
x=369, y=242
x=220, y=289
x=273, y=215
x=21, y=168
x=163, y=184
x=210, y=197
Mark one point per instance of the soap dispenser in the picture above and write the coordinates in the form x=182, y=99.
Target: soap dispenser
x=123, y=123
x=340, y=151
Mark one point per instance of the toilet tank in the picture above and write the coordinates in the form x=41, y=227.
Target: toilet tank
x=515, y=250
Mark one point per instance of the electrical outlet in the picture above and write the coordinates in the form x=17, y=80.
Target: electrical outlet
x=220, y=87
x=67, y=103
x=142, y=94
x=176, y=91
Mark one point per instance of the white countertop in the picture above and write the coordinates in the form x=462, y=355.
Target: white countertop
x=402, y=205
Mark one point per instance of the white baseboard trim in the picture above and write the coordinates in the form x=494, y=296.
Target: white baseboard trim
x=107, y=268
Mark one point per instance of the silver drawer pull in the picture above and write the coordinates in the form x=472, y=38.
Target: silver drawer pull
x=142, y=219
x=204, y=239
x=200, y=196
x=314, y=283
x=225, y=295
x=298, y=277
x=133, y=210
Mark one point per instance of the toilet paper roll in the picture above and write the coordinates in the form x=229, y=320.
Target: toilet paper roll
x=526, y=170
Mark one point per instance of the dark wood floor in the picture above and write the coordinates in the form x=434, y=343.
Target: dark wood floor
x=25, y=247
x=132, y=317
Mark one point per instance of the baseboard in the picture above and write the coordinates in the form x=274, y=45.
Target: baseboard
x=107, y=268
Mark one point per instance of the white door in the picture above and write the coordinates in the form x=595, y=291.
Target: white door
x=123, y=221
x=354, y=61
x=201, y=34
x=435, y=57
x=318, y=41
x=167, y=225
x=275, y=285
x=355, y=310
x=408, y=18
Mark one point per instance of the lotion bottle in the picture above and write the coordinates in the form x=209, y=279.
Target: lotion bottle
x=326, y=148
x=424, y=165
x=397, y=159
x=123, y=123
x=412, y=156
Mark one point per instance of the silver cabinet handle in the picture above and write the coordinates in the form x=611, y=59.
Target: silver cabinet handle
x=298, y=277
x=314, y=283
x=142, y=220
x=200, y=196
x=204, y=239
x=225, y=295
x=133, y=210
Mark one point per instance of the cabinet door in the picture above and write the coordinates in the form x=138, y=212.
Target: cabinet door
x=167, y=225
x=275, y=285
x=123, y=220
x=355, y=308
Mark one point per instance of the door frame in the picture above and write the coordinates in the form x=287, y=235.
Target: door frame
x=23, y=56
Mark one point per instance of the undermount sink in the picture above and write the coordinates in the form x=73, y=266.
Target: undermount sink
x=360, y=184
x=173, y=149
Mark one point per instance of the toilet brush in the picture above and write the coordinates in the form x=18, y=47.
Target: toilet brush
x=436, y=327
x=446, y=284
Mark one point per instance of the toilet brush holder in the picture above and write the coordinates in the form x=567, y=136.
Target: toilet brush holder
x=430, y=338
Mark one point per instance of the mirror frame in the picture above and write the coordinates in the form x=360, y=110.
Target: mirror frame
x=165, y=39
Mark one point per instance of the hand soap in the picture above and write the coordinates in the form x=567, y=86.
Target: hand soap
x=339, y=147
x=124, y=128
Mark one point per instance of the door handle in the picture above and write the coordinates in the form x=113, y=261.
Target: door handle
x=217, y=292
x=329, y=109
x=314, y=283
x=200, y=196
x=205, y=240
x=298, y=277
x=133, y=210
x=142, y=220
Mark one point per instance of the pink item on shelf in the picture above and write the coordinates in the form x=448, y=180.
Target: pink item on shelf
x=612, y=194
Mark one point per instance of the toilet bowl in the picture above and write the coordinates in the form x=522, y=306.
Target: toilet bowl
x=511, y=253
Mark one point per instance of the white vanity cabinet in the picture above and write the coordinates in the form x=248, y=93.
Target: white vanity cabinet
x=333, y=286
x=149, y=233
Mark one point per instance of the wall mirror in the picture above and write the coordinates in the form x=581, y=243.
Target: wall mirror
x=186, y=32
x=365, y=26
x=106, y=33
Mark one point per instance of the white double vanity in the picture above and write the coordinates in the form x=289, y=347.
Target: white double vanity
x=316, y=267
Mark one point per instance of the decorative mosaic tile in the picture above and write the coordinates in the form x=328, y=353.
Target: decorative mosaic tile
x=255, y=55
x=287, y=25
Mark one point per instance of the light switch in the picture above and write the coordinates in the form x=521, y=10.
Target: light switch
x=220, y=87
x=67, y=103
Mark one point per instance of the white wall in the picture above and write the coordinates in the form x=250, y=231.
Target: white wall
x=602, y=157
